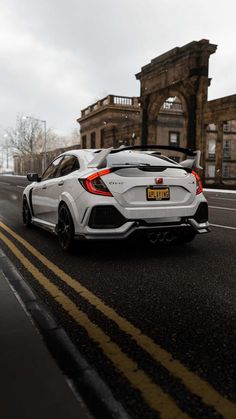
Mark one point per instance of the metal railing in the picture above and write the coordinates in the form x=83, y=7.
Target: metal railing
x=169, y=105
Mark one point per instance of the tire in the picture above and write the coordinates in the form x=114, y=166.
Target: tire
x=26, y=214
x=65, y=228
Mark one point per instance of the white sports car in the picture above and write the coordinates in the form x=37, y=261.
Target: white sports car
x=116, y=193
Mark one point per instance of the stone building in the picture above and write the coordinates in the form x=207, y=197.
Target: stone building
x=220, y=141
x=111, y=121
x=172, y=109
x=116, y=120
x=227, y=155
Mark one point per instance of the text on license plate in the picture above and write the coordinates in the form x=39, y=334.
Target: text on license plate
x=155, y=194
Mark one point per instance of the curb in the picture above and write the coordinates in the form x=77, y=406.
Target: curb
x=82, y=377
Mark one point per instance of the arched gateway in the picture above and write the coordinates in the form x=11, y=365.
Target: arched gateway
x=182, y=73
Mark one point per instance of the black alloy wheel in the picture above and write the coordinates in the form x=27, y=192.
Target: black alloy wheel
x=65, y=228
x=26, y=214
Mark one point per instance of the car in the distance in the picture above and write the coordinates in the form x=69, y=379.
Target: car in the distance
x=116, y=193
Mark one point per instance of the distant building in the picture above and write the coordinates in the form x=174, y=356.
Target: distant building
x=116, y=120
x=172, y=109
x=111, y=121
x=227, y=153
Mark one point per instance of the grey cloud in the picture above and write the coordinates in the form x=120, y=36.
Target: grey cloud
x=59, y=56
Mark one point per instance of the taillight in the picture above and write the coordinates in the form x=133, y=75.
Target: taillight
x=94, y=183
x=199, y=188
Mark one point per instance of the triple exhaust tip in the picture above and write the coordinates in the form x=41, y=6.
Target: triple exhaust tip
x=161, y=237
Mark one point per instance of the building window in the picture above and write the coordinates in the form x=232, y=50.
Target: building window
x=225, y=171
x=211, y=127
x=84, y=141
x=211, y=148
x=93, y=140
x=227, y=126
x=174, y=138
x=226, y=149
x=211, y=170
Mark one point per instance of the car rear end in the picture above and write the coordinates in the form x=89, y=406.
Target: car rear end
x=142, y=193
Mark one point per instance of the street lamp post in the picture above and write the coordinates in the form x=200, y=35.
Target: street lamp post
x=45, y=146
x=6, y=146
x=45, y=139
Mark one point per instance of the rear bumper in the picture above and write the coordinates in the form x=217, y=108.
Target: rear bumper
x=129, y=230
x=110, y=224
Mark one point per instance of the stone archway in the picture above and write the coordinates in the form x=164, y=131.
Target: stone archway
x=168, y=114
x=181, y=72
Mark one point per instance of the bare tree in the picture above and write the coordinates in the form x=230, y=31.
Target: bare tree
x=74, y=137
x=27, y=136
x=52, y=138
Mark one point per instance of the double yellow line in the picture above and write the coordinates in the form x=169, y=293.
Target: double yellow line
x=154, y=396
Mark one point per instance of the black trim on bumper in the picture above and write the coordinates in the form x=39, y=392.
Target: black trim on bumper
x=201, y=215
x=106, y=216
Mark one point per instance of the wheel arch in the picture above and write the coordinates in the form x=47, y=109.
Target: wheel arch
x=27, y=195
x=66, y=199
x=65, y=228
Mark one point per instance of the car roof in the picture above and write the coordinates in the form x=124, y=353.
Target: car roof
x=79, y=152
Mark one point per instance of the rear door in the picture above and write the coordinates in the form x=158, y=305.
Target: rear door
x=45, y=193
x=66, y=181
x=56, y=180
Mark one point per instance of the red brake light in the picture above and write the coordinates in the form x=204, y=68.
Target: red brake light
x=94, y=184
x=199, y=188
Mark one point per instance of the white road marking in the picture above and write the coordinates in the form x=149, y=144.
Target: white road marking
x=13, y=176
x=217, y=225
x=223, y=208
x=224, y=199
x=220, y=190
x=18, y=186
x=5, y=183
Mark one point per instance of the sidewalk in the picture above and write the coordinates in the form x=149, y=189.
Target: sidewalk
x=31, y=384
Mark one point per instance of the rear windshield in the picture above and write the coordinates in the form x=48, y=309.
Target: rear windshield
x=136, y=158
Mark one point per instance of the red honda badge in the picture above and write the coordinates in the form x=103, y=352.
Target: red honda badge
x=159, y=180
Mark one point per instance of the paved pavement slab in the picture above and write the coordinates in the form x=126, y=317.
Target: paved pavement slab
x=31, y=384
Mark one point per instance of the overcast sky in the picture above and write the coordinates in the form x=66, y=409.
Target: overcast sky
x=59, y=56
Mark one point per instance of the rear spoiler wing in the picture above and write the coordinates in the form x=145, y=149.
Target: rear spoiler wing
x=194, y=162
x=99, y=160
x=187, y=151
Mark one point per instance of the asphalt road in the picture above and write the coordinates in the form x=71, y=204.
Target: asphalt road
x=157, y=323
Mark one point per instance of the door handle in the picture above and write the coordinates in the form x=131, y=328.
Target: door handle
x=44, y=187
x=61, y=183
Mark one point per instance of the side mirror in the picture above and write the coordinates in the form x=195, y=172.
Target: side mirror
x=33, y=177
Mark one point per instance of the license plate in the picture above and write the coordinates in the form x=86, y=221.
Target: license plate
x=158, y=194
